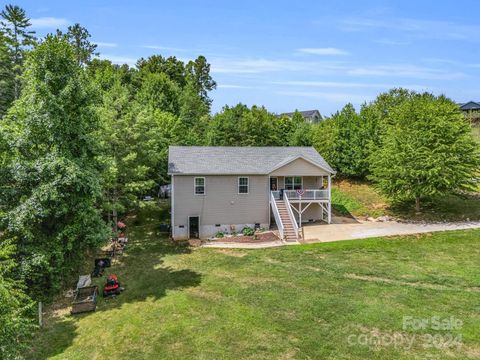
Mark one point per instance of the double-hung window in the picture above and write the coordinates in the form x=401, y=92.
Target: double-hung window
x=199, y=186
x=243, y=185
x=293, y=182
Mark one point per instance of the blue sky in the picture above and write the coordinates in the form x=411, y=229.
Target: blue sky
x=291, y=55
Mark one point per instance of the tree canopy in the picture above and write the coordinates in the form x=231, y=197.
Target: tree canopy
x=426, y=150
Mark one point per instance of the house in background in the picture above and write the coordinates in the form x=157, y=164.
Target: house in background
x=471, y=110
x=310, y=116
x=218, y=188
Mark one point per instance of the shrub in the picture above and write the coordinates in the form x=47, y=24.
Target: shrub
x=248, y=231
x=219, y=235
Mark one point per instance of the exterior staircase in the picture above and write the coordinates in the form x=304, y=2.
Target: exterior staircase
x=289, y=232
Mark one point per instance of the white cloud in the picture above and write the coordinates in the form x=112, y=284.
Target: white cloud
x=405, y=70
x=106, y=44
x=419, y=28
x=49, y=22
x=338, y=98
x=232, y=86
x=256, y=66
x=120, y=60
x=323, y=51
x=392, y=42
x=350, y=85
x=160, y=47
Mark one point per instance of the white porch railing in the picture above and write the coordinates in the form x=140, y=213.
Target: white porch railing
x=307, y=195
x=291, y=215
x=276, y=194
x=276, y=214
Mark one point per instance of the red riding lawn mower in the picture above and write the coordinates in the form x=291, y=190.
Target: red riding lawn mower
x=112, y=287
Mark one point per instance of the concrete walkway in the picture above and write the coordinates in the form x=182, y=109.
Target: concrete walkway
x=343, y=229
x=367, y=229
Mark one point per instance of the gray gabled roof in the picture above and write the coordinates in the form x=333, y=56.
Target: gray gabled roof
x=237, y=160
x=471, y=105
x=306, y=113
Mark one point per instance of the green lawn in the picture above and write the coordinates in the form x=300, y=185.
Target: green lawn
x=297, y=302
x=361, y=199
x=476, y=132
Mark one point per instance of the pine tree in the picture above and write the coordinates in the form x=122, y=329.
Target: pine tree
x=79, y=37
x=15, y=27
x=7, y=77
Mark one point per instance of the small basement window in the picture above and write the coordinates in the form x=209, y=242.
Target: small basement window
x=243, y=185
x=199, y=185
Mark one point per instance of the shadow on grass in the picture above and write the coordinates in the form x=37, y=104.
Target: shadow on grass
x=142, y=270
x=143, y=273
x=450, y=207
x=56, y=336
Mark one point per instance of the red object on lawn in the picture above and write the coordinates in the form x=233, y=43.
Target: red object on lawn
x=121, y=225
x=112, y=287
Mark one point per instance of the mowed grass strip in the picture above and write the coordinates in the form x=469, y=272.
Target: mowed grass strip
x=295, y=302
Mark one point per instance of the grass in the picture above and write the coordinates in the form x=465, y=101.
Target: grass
x=357, y=199
x=476, y=132
x=296, y=302
x=360, y=199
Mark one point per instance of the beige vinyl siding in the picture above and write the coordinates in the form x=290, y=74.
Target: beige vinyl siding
x=299, y=167
x=309, y=182
x=222, y=204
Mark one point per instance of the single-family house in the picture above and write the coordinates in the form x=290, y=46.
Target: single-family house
x=310, y=116
x=471, y=110
x=217, y=188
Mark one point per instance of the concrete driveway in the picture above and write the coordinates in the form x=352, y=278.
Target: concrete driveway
x=348, y=229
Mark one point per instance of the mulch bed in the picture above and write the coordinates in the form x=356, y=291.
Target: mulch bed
x=263, y=237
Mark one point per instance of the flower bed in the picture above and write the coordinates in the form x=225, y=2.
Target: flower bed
x=267, y=236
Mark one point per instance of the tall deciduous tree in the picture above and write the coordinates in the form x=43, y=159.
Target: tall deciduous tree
x=350, y=157
x=241, y=126
x=15, y=27
x=157, y=64
x=159, y=92
x=51, y=186
x=426, y=150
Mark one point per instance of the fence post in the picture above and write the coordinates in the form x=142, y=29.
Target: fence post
x=40, y=315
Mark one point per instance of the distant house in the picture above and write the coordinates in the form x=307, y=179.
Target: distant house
x=228, y=188
x=471, y=110
x=310, y=116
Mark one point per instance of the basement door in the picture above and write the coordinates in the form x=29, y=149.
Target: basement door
x=193, y=227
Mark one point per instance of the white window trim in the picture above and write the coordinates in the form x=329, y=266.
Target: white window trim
x=248, y=185
x=195, y=185
x=293, y=181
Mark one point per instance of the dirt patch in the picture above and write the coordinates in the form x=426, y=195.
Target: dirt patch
x=419, y=285
x=230, y=252
x=209, y=295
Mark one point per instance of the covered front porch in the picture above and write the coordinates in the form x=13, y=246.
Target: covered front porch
x=300, y=192
x=306, y=195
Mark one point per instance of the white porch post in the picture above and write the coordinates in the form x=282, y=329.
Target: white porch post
x=172, y=209
x=329, y=199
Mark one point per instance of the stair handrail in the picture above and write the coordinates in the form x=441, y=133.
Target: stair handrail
x=276, y=214
x=290, y=215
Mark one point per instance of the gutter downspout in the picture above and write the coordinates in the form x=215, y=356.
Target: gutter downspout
x=329, y=198
x=172, y=221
